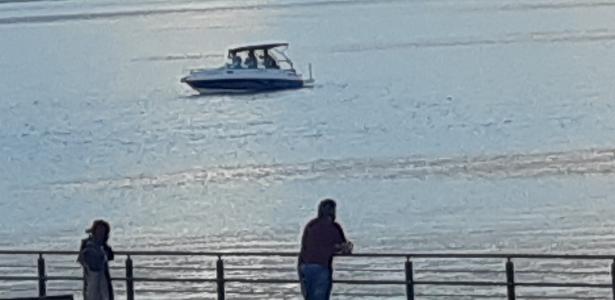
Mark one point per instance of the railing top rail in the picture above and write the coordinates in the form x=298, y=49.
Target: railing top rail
x=294, y=254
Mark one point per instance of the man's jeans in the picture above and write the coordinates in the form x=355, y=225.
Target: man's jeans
x=316, y=282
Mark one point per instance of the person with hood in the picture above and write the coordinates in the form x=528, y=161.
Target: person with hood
x=322, y=239
x=94, y=257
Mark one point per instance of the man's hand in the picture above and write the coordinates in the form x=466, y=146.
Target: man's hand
x=344, y=248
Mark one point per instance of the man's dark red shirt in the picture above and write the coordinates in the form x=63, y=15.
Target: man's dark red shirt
x=318, y=244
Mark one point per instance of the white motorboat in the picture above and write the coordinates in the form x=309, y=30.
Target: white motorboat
x=253, y=68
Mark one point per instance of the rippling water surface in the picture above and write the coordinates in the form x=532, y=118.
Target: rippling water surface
x=437, y=125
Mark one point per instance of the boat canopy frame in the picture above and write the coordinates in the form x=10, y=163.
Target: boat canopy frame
x=256, y=47
x=266, y=47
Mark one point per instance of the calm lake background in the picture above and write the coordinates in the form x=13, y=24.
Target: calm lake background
x=437, y=126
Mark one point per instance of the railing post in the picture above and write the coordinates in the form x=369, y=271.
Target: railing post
x=220, y=277
x=510, y=279
x=613, y=278
x=130, y=288
x=409, y=280
x=42, y=280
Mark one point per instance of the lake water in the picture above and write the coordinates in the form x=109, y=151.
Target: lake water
x=436, y=125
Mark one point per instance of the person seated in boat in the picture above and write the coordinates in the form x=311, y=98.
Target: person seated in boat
x=269, y=62
x=235, y=61
x=251, y=60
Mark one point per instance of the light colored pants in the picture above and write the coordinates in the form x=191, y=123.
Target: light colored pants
x=96, y=286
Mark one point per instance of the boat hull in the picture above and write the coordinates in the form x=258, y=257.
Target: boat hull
x=243, y=85
x=243, y=80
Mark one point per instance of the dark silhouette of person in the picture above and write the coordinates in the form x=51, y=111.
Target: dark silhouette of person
x=94, y=257
x=322, y=239
x=268, y=61
x=235, y=61
x=251, y=62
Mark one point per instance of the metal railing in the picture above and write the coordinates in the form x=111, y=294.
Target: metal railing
x=409, y=282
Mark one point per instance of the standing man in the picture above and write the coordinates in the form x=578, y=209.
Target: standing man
x=94, y=257
x=322, y=239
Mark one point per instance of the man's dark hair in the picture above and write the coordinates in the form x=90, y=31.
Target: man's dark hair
x=326, y=208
